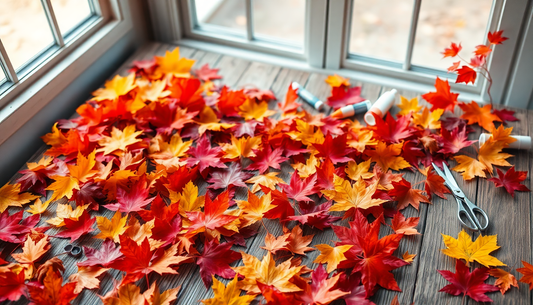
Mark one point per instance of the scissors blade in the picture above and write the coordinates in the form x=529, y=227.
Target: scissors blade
x=446, y=179
x=450, y=176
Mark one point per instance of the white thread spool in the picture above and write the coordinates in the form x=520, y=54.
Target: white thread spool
x=381, y=106
x=522, y=142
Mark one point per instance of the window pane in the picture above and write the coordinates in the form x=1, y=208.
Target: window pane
x=24, y=30
x=280, y=19
x=226, y=13
x=380, y=28
x=2, y=76
x=70, y=13
x=443, y=22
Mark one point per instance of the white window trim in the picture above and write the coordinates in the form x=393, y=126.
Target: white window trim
x=32, y=93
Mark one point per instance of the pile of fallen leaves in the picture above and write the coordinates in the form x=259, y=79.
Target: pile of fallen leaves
x=157, y=157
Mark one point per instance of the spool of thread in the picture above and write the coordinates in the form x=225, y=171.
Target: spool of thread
x=348, y=111
x=522, y=142
x=381, y=106
x=307, y=96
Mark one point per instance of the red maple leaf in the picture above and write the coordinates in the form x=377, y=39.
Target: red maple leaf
x=51, y=292
x=283, y=208
x=477, y=61
x=469, y=283
x=454, y=67
x=393, y=131
x=466, y=75
x=505, y=115
x=290, y=104
x=452, y=51
x=411, y=152
x=434, y=184
x=245, y=128
x=12, y=285
x=13, y=228
x=206, y=74
x=177, y=180
x=205, y=156
x=89, y=193
x=496, y=37
x=229, y=101
x=266, y=158
x=213, y=216
x=315, y=215
x=143, y=67
x=159, y=209
x=275, y=297
x=452, y=142
x=443, y=98
x=232, y=176
x=511, y=180
x=132, y=200
x=342, y=96
x=215, y=259
x=258, y=94
x=352, y=284
x=185, y=90
x=401, y=225
x=168, y=117
x=298, y=189
x=336, y=149
x=321, y=290
x=331, y=125
x=406, y=195
x=104, y=256
x=166, y=230
x=77, y=227
x=324, y=175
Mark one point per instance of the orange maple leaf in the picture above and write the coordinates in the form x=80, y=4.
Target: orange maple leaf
x=504, y=279
x=480, y=115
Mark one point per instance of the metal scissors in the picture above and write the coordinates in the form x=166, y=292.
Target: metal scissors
x=467, y=209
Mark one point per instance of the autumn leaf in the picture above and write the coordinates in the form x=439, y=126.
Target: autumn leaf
x=228, y=295
x=357, y=171
x=119, y=140
x=388, y=156
x=337, y=81
x=434, y=184
x=401, y=225
x=503, y=135
x=10, y=196
x=115, y=88
x=321, y=290
x=527, y=272
x=496, y=37
x=348, y=196
x=12, y=285
x=443, y=98
x=406, y=195
x=315, y=215
x=266, y=272
x=132, y=200
x=206, y=74
x=33, y=249
x=254, y=208
x=62, y=187
x=250, y=110
x=188, y=199
x=469, y=167
x=505, y=115
x=391, y=130
x=428, y=119
x=490, y=153
x=111, y=228
x=306, y=133
x=308, y=168
x=104, y=256
x=511, y=180
x=204, y=155
x=213, y=216
x=173, y=64
x=299, y=189
x=38, y=207
x=283, y=209
x=331, y=255
x=52, y=292
x=453, y=141
x=209, y=121
x=408, y=257
x=266, y=158
x=468, y=283
x=335, y=149
x=13, y=228
x=483, y=50
x=269, y=180
x=298, y=243
x=466, y=75
x=75, y=228
x=225, y=178
x=241, y=147
x=215, y=259
x=343, y=95
x=274, y=244
x=406, y=106
x=452, y=51
x=479, y=251
x=480, y=115
x=229, y=101
x=87, y=278
x=64, y=211
x=504, y=279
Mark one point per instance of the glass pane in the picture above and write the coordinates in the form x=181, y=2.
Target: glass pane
x=380, y=28
x=227, y=13
x=280, y=19
x=444, y=22
x=2, y=76
x=70, y=13
x=24, y=30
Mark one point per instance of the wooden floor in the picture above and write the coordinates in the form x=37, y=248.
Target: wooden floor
x=509, y=218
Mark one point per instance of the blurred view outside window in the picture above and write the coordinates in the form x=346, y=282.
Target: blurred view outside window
x=380, y=29
x=2, y=76
x=279, y=20
x=24, y=29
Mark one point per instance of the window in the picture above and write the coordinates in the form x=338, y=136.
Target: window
x=46, y=28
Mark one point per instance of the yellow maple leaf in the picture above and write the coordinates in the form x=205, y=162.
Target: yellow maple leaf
x=464, y=248
x=359, y=171
x=111, y=228
x=87, y=278
x=173, y=64
x=118, y=178
x=407, y=106
x=348, y=196
x=469, y=167
x=116, y=87
x=254, y=208
x=119, y=140
x=154, y=297
x=306, y=134
x=360, y=139
x=188, y=199
x=490, y=154
x=241, y=147
x=33, y=249
x=10, y=196
x=251, y=110
x=83, y=170
x=428, y=119
x=269, y=180
x=503, y=135
x=387, y=156
x=228, y=295
x=307, y=169
x=209, y=121
x=65, y=211
x=62, y=187
x=54, y=138
x=38, y=207
x=337, y=81
x=266, y=272
x=331, y=255
x=161, y=149
x=408, y=258
x=129, y=294
x=152, y=91
x=44, y=162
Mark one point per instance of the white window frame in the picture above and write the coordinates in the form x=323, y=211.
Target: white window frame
x=61, y=65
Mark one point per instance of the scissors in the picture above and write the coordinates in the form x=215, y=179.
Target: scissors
x=467, y=209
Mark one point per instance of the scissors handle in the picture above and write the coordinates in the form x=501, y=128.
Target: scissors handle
x=469, y=210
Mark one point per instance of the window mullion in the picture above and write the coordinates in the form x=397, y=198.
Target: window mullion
x=412, y=35
x=6, y=65
x=249, y=20
x=52, y=21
